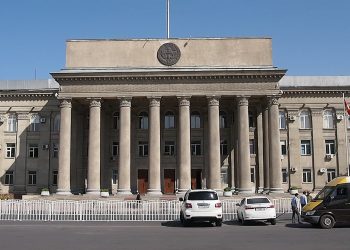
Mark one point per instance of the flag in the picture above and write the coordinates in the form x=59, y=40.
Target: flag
x=347, y=108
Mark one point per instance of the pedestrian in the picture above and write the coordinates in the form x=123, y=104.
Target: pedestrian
x=303, y=199
x=138, y=197
x=295, y=208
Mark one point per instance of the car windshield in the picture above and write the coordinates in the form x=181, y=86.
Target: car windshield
x=257, y=200
x=324, y=193
x=202, y=196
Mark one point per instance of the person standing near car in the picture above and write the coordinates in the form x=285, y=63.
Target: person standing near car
x=295, y=208
x=303, y=199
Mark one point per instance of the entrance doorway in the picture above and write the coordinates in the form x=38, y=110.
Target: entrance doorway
x=142, y=181
x=196, y=179
x=169, y=181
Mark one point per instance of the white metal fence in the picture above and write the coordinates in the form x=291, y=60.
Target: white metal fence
x=110, y=210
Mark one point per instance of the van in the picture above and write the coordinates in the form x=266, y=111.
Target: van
x=331, y=205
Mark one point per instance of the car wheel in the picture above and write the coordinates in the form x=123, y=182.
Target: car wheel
x=218, y=223
x=243, y=221
x=273, y=221
x=186, y=223
x=327, y=221
x=182, y=218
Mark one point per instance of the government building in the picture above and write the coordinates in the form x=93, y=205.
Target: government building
x=161, y=116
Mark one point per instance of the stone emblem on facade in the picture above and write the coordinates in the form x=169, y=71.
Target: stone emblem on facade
x=168, y=54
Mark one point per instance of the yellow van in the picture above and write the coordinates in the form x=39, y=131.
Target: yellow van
x=331, y=205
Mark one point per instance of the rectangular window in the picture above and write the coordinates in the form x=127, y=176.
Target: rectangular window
x=169, y=148
x=252, y=146
x=10, y=150
x=12, y=123
x=251, y=120
x=330, y=174
x=282, y=120
x=31, y=177
x=196, y=148
x=284, y=175
x=252, y=174
x=283, y=147
x=9, y=178
x=143, y=148
x=305, y=147
x=114, y=176
x=33, y=151
x=115, y=148
x=223, y=147
x=54, y=177
x=330, y=147
x=307, y=178
x=55, y=150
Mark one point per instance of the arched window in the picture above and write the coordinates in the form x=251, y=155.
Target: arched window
x=56, y=123
x=195, y=120
x=115, y=120
x=223, y=120
x=169, y=120
x=12, y=123
x=143, y=120
x=328, y=119
x=305, y=119
x=34, y=122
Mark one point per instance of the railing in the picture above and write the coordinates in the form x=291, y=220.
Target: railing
x=111, y=210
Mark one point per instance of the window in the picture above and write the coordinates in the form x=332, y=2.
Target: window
x=115, y=148
x=330, y=174
x=55, y=150
x=305, y=147
x=328, y=119
x=330, y=147
x=10, y=150
x=305, y=120
x=143, y=120
x=9, y=178
x=251, y=119
x=223, y=147
x=307, y=176
x=282, y=120
x=252, y=174
x=34, y=123
x=195, y=120
x=283, y=144
x=169, y=120
x=12, y=123
x=115, y=120
x=54, y=177
x=196, y=148
x=143, y=148
x=114, y=176
x=223, y=120
x=33, y=151
x=169, y=148
x=252, y=146
x=284, y=175
x=32, y=178
x=56, y=123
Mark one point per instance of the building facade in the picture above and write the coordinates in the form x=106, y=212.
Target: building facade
x=163, y=116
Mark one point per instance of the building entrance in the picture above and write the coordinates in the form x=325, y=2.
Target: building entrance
x=169, y=181
x=142, y=181
x=196, y=179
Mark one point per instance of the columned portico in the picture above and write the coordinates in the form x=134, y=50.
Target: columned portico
x=94, y=165
x=243, y=146
x=124, y=145
x=214, y=143
x=184, y=144
x=275, y=148
x=154, y=146
x=63, y=185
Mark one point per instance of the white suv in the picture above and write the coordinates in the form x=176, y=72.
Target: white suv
x=201, y=205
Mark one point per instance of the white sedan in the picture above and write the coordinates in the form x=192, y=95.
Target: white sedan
x=256, y=208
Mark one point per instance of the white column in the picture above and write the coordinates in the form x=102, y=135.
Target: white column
x=184, y=144
x=124, y=147
x=94, y=164
x=154, y=147
x=63, y=185
x=259, y=124
x=214, y=144
x=266, y=149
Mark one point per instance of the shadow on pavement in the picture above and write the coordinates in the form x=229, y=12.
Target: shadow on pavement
x=193, y=224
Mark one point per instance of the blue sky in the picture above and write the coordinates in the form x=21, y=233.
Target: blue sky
x=310, y=37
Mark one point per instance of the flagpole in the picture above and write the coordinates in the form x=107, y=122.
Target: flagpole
x=346, y=116
x=167, y=18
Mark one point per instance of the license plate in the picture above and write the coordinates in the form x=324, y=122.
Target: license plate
x=260, y=209
x=203, y=205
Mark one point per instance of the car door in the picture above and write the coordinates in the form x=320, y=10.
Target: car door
x=338, y=204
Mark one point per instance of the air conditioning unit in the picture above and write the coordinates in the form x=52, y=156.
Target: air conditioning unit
x=282, y=157
x=340, y=117
x=292, y=117
x=323, y=170
x=293, y=169
x=2, y=119
x=43, y=120
x=329, y=156
x=45, y=146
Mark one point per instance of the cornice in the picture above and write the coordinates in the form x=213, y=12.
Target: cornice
x=27, y=94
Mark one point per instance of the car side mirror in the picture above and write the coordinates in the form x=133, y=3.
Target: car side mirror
x=181, y=199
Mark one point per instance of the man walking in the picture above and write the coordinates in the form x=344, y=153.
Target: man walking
x=303, y=199
x=295, y=208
